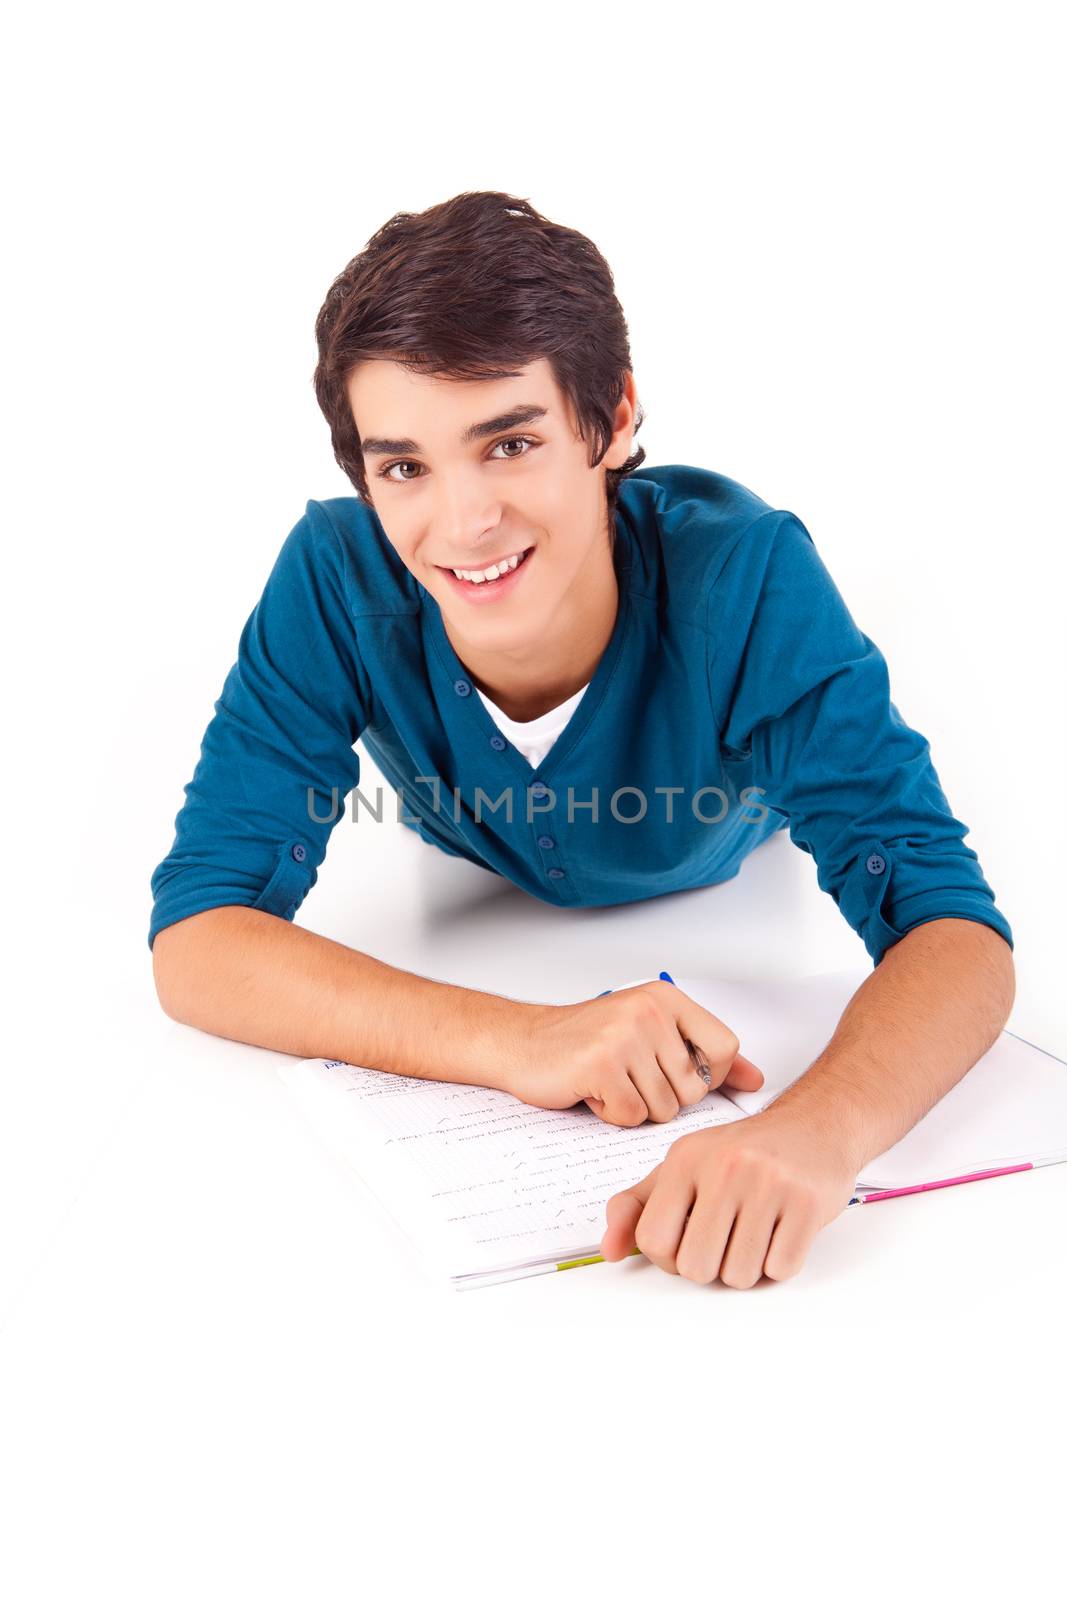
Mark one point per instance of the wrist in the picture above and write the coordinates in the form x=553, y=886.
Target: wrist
x=822, y=1125
x=485, y=1042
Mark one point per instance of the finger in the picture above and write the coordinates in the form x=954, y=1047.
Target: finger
x=685, y=1069
x=656, y=1089
x=710, y=1034
x=742, y=1262
x=622, y=1102
x=662, y=1221
x=624, y=1211
x=790, y=1242
x=623, y=1214
x=707, y=1234
x=744, y=1074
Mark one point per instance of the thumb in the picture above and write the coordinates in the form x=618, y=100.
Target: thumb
x=744, y=1074
x=623, y=1214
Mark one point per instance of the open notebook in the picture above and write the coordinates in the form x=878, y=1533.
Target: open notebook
x=488, y=1188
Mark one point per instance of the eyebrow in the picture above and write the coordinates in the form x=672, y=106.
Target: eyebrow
x=477, y=430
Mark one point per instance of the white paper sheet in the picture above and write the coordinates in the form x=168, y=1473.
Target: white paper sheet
x=479, y=1180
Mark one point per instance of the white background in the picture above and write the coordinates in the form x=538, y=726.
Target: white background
x=836, y=234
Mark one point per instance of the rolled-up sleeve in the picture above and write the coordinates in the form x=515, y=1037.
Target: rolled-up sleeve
x=276, y=761
x=802, y=692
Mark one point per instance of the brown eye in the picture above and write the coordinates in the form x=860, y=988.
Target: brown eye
x=386, y=471
x=516, y=438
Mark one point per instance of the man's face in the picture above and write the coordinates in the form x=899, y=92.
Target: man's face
x=523, y=485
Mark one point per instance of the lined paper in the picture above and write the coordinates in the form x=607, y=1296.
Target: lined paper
x=479, y=1179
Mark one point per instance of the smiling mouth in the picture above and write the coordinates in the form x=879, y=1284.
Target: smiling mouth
x=484, y=582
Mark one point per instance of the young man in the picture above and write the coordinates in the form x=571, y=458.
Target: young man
x=601, y=682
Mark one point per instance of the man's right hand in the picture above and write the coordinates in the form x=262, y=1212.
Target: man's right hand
x=624, y=1054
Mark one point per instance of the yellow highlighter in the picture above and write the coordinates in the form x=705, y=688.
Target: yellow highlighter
x=585, y=1261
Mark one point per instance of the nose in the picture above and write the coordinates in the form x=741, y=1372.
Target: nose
x=463, y=519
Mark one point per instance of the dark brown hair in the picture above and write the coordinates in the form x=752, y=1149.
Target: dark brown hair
x=474, y=288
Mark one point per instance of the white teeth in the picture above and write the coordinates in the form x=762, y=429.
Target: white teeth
x=490, y=574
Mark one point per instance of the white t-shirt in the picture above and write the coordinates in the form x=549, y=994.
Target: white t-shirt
x=534, y=739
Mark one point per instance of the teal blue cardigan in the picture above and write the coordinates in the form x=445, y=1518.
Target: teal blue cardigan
x=736, y=696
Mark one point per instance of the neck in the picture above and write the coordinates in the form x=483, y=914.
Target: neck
x=532, y=679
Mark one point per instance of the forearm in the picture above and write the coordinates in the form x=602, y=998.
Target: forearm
x=937, y=1002
x=246, y=975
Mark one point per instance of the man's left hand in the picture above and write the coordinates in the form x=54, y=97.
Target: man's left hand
x=734, y=1202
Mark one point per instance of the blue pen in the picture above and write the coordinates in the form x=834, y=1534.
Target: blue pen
x=665, y=975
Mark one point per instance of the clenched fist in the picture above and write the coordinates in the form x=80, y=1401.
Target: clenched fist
x=625, y=1055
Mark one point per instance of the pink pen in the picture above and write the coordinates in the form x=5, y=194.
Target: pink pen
x=970, y=1177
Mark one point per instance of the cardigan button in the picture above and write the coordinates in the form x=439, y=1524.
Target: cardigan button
x=497, y=742
x=546, y=843
x=556, y=872
x=875, y=865
x=461, y=686
x=298, y=852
